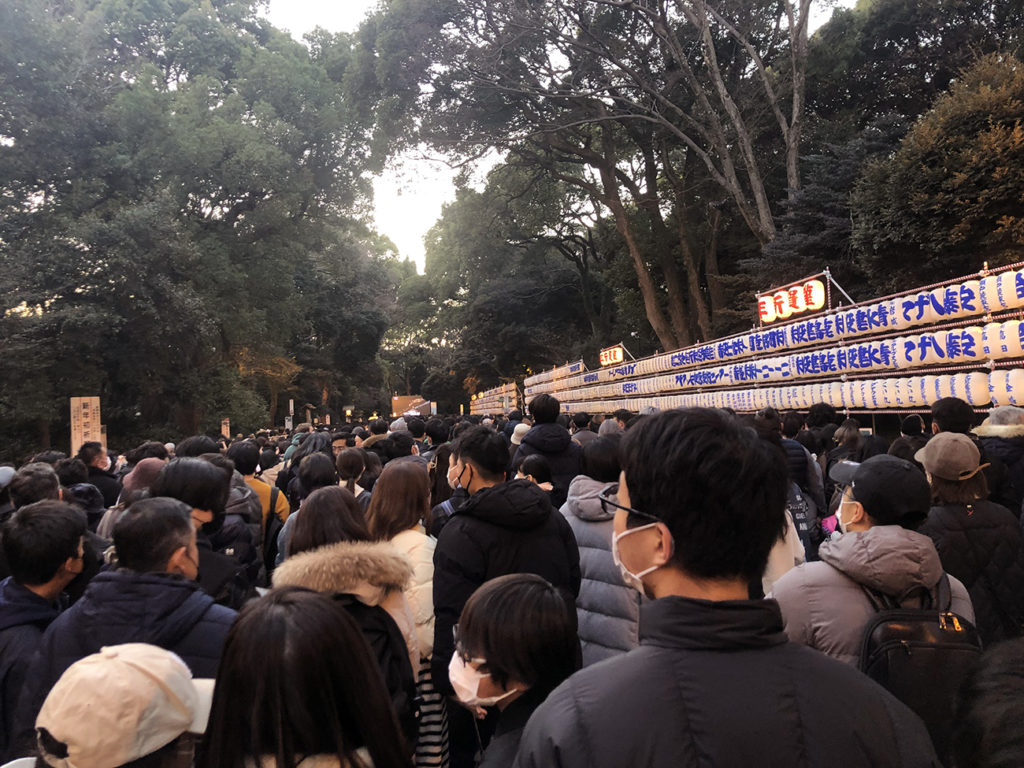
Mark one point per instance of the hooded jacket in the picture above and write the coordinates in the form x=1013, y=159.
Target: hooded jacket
x=717, y=684
x=553, y=442
x=107, y=483
x=373, y=572
x=1005, y=442
x=507, y=528
x=824, y=605
x=24, y=616
x=981, y=545
x=418, y=549
x=608, y=611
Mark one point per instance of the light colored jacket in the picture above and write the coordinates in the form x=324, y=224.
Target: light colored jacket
x=823, y=604
x=608, y=611
x=419, y=549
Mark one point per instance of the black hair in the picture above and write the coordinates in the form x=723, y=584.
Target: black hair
x=545, y=409
x=246, y=455
x=89, y=451
x=623, y=415
x=397, y=445
x=350, y=465
x=416, y=427
x=485, y=449
x=39, y=538
x=196, y=482
x=329, y=515
x=706, y=477
x=268, y=458
x=436, y=430
x=150, y=531
x=317, y=442
x=150, y=449
x=524, y=628
x=49, y=457
x=537, y=467
x=953, y=415
x=34, y=482
x=581, y=419
x=440, y=491
x=319, y=690
x=989, y=709
x=196, y=446
x=71, y=471
x=373, y=466
x=820, y=414
x=601, y=458
x=378, y=427
x=316, y=471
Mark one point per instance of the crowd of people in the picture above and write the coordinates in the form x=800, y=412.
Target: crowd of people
x=689, y=587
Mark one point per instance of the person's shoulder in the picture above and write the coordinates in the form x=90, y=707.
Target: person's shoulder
x=805, y=575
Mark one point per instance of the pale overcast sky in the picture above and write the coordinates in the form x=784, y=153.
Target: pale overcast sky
x=409, y=196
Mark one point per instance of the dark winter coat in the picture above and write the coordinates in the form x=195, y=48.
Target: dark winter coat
x=1005, y=443
x=508, y=528
x=24, y=616
x=502, y=748
x=564, y=456
x=107, y=483
x=717, y=684
x=981, y=545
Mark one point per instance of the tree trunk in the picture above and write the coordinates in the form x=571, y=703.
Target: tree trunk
x=43, y=431
x=274, y=392
x=711, y=273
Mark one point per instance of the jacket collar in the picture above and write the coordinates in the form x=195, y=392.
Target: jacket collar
x=685, y=623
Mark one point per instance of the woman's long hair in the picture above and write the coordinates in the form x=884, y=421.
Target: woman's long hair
x=329, y=515
x=297, y=678
x=401, y=498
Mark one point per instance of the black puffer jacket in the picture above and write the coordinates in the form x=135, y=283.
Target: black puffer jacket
x=509, y=528
x=981, y=545
x=565, y=456
x=1004, y=443
x=717, y=684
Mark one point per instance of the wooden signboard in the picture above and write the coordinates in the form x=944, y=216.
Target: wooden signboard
x=225, y=428
x=85, y=422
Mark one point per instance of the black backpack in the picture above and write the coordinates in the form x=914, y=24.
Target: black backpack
x=804, y=512
x=271, y=529
x=920, y=655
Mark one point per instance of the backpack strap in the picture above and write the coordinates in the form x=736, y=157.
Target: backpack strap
x=274, y=492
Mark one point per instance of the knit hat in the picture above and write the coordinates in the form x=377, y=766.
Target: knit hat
x=398, y=425
x=118, y=705
x=143, y=475
x=6, y=475
x=892, y=490
x=519, y=433
x=951, y=456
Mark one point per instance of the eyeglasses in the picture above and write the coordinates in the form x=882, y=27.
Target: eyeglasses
x=605, y=497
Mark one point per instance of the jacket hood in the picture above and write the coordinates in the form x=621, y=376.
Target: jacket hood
x=999, y=430
x=887, y=558
x=125, y=606
x=368, y=570
x=583, y=501
x=518, y=504
x=20, y=606
x=548, y=438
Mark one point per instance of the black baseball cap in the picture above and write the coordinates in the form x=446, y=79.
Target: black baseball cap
x=892, y=491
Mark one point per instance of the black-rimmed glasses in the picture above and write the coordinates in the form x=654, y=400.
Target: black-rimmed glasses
x=606, y=501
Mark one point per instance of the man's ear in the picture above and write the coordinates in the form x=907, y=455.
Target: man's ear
x=176, y=562
x=935, y=428
x=858, y=515
x=664, y=549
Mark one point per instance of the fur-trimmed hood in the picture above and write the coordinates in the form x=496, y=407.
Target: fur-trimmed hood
x=1004, y=431
x=368, y=570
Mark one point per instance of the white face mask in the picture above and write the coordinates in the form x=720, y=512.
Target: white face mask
x=840, y=525
x=466, y=682
x=632, y=579
x=106, y=464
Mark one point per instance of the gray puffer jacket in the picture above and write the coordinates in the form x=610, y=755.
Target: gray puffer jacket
x=823, y=604
x=607, y=609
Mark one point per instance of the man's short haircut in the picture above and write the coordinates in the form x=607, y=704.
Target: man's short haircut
x=89, y=451
x=50, y=457
x=268, y=458
x=821, y=414
x=150, y=531
x=150, y=449
x=398, y=444
x=792, y=423
x=416, y=427
x=246, y=455
x=581, y=419
x=953, y=415
x=34, y=482
x=485, y=449
x=378, y=427
x=623, y=415
x=196, y=446
x=706, y=477
x=515, y=415
x=196, y=482
x=39, y=538
x=71, y=472
x=601, y=458
x=545, y=409
x=436, y=430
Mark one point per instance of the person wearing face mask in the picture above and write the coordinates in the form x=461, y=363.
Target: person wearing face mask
x=715, y=680
x=150, y=597
x=101, y=475
x=515, y=643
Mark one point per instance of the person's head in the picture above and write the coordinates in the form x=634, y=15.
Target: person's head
x=71, y=472
x=400, y=501
x=124, y=707
x=989, y=710
x=246, y=456
x=821, y=414
x=516, y=633
x=378, y=427
x=601, y=459
x=951, y=414
x=544, y=409
x=436, y=432
x=350, y=466
x=50, y=457
x=374, y=465
x=912, y=426
x=518, y=433
x=201, y=485
x=953, y=464
x=43, y=544
x=7, y=474
x=1006, y=416
x=398, y=425
x=329, y=515
x=848, y=435
x=581, y=421
x=479, y=458
x=882, y=490
x=416, y=426
x=317, y=442
x=157, y=535
x=316, y=471
x=195, y=446
x=92, y=455
x=609, y=427
x=792, y=423
x=141, y=478
x=440, y=490
x=150, y=449
x=319, y=690
x=398, y=445
x=34, y=482
x=268, y=459
x=622, y=416
x=680, y=502
x=535, y=468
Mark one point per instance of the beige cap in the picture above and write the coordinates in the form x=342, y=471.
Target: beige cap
x=120, y=704
x=950, y=456
x=519, y=432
